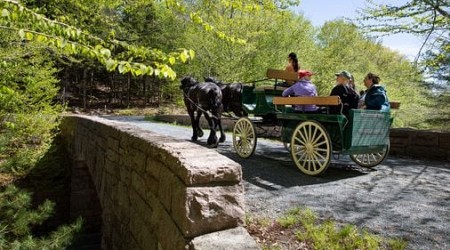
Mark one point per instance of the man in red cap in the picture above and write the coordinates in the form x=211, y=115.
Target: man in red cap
x=303, y=87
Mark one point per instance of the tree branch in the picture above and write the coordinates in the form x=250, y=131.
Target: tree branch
x=426, y=39
x=437, y=8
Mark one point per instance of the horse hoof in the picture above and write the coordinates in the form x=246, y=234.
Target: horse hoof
x=222, y=139
x=212, y=140
x=194, y=138
x=200, y=133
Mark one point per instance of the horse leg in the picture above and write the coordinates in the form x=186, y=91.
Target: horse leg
x=222, y=134
x=212, y=139
x=199, y=129
x=194, y=125
x=218, y=122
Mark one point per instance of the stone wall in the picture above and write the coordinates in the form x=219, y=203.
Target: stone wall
x=420, y=143
x=404, y=141
x=155, y=192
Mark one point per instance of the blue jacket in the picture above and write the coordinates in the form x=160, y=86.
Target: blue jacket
x=376, y=98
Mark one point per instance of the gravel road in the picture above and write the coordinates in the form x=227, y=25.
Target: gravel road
x=402, y=197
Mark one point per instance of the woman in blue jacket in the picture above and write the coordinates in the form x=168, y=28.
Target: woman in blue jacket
x=375, y=97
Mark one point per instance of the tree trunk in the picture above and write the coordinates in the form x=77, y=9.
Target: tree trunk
x=144, y=91
x=83, y=82
x=128, y=90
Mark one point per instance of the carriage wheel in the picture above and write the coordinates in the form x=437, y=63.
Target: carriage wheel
x=244, y=137
x=371, y=159
x=311, y=148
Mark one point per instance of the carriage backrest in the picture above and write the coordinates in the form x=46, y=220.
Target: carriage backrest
x=281, y=75
x=308, y=100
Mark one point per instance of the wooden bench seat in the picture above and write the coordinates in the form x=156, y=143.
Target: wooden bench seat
x=281, y=75
x=308, y=100
x=394, y=105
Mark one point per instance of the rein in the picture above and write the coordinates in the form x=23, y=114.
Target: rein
x=255, y=81
x=198, y=107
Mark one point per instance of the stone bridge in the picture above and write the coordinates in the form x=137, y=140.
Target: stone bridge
x=142, y=190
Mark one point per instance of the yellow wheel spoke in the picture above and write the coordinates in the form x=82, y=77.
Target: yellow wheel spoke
x=309, y=163
x=300, y=141
x=309, y=133
x=318, y=138
x=244, y=137
x=303, y=137
x=314, y=136
x=314, y=165
x=303, y=156
x=305, y=133
x=319, y=144
x=311, y=149
x=319, y=155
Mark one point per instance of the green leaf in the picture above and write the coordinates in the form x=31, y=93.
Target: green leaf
x=172, y=60
x=124, y=67
x=150, y=71
x=41, y=38
x=157, y=72
x=59, y=43
x=5, y=13
x=183, y=57
x=29, y=36
x=106, y=52
x=121, y=68
x=191, y=54
x=137, y=72
x=111, y=64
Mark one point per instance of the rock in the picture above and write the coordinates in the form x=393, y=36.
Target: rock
x=232, y=239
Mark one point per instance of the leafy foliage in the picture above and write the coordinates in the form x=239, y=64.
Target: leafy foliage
x=137, y=60
x=27, y=111
x=28, y=118
x=17, y=219
x=429, y=19
x=270, y=34
x=301, y=228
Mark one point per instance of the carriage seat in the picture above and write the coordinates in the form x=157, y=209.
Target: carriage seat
x=307, y=100
x=394, y=105
x=281, y=75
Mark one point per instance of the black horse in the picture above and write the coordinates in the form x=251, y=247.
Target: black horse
x=202, y=98
x=231, y=96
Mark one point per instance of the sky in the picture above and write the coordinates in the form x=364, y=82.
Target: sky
x=320, y=11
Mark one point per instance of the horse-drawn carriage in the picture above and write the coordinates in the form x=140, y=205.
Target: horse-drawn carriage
x=312, y=139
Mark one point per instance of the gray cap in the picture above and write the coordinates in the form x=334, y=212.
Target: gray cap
x=345, y=74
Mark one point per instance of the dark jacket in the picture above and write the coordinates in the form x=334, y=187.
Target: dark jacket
x=349, y=99
x=376, y=98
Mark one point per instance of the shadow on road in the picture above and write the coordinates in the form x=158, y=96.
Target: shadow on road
x=272, y=168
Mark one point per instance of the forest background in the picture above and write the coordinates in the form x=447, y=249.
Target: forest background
x=56, y=55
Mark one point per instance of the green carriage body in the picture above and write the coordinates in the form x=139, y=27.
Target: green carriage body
x=259, y=102
x=365, y=131
x=364, y=134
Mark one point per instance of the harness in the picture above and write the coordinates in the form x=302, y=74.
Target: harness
x=198, y=107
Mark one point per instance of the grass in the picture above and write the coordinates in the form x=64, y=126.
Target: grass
x=300, y=228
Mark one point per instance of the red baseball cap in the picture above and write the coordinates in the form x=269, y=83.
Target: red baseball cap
x=302, y=73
